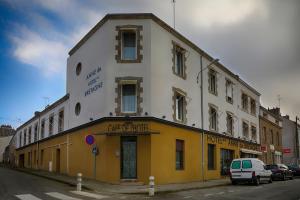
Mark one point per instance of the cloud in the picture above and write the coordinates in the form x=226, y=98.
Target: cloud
x=49, y=56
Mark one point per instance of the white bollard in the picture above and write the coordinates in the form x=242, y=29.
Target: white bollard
x=151, y=186
x=79, y=179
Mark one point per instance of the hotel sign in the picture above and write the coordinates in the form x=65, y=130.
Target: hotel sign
x=231, y=142
x=128, y=128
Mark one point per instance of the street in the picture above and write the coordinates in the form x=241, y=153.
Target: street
x=17, y=185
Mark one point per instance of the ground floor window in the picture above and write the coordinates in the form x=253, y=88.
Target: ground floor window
x=211, y=156
x=179, y=154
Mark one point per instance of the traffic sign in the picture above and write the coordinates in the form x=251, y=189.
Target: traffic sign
x=89, y=139
x=95, y=150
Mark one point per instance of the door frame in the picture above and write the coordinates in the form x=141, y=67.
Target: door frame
x=122, y=138
x=57, y=160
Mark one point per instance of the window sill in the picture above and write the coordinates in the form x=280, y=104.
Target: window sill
x=213, y=93
x=180, y=76
x=130, y=61
x=230, y=102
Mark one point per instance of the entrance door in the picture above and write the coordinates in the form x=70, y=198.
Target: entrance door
x=21, y=160
x=128, y=157
x=226, y=159
x=57, y=160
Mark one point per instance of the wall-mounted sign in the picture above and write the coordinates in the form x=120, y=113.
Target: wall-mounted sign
x=263, y=148
x=89, y=139
x=272, y=148
x=93, y=81
x=128, y=127
x=286, y=150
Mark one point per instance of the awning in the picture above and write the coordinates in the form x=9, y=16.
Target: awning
x=250, y=151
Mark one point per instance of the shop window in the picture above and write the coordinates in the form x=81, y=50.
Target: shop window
x=245, y=130
x=51, y=123
x=179, y=154
x=253, y=106
x=212, y=81
x=253, y=133
x=179, y=60
x=229, y=120
x=43, y=128
x=244, y=102
x=61, y=121
x=29, y=134
x=179, y=107
x=128, y=97
x=213, y=118
x=229, y=91
x=35, y=132
x=129, y=44
x=211, y=156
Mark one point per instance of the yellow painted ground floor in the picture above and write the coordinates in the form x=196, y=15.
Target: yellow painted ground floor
x=136, y=148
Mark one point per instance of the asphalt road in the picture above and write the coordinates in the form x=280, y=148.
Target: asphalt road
x=17, y=185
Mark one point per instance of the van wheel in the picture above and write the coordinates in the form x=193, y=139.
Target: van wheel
x=257, y=181
x=233, y=182
x=270, y=180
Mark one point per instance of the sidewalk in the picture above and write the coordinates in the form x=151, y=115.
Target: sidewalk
x=107, y=188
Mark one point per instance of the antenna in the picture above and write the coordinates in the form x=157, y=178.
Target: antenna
x=173, y=1
x=279, y=99
x=46, y=100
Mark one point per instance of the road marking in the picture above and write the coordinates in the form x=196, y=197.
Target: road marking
x=220, y=192
x=27, y=197
x=87, y=194
x=188, y=197
x=231, y=191
x=61, y=196
x=206, y=195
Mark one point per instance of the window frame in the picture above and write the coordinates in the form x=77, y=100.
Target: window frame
x=244, y=96
x=36, y=131
x=252, y=106
x=128, y=30
x=179, y=92
x=43, y=124
x=136, y=97
x=230, y=83
x=246, y=123
x=51, y=116
x=181, y=157
x=253, y=127
x=213, y=90
x=232, y=123
x=210, y=107
x=60, y=127
x=177, y=48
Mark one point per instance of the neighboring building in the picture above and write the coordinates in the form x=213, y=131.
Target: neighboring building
x=132, y=83
x=6, y=133
x=270, y=136
x=290, y=141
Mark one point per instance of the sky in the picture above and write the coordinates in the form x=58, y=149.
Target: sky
x=256, y=39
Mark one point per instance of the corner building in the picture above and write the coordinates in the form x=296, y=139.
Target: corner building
x=156, y=104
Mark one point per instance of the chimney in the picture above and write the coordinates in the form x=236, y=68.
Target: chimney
x=286, y=117
x=275, y=110
x=36, y=113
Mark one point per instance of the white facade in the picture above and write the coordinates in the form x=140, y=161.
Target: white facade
x=95, y=86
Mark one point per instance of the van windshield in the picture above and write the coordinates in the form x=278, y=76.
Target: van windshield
x=236, y=164
x=247, y=164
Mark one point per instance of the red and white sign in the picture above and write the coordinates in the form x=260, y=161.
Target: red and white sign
x=263, y=148
x=286, y=150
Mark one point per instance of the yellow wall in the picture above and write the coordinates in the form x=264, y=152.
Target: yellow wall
x=156, y=153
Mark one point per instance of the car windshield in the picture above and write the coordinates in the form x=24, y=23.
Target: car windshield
x=236, y=164
x=271, y=166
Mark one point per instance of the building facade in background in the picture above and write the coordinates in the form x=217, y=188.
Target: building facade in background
x=150, y=98
x=6, y=134
x=270, y=136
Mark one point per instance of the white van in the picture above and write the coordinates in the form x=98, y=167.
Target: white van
x=249, y=170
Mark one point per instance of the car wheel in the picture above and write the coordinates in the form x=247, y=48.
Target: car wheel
x=270, y=180
x=257, y=181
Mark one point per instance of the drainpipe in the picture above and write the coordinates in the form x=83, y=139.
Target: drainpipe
x=202, y=120
x=297, y=141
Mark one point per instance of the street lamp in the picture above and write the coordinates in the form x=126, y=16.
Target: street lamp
x=200, y=73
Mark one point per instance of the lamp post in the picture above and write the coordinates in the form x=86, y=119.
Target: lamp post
x=200, y=73
x=297, y=140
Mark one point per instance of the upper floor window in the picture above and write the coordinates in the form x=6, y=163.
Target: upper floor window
x=229, y=91
x=129, y=44
x=278, y=138
x=212, y=81
x=244, y=102
x=25, y=137
x=263, y=135
x=272, y=136
x=128, y=97
x=253, y=133
x=51, y=123
x=253, y=106
x=61, y=121
x=213, y=118
x=179, y=105
x=20, y=139
x=245, y=129
x=179, y=66
x=43, y=128
x=229, y=120
x=35, y=132
x=29, y=135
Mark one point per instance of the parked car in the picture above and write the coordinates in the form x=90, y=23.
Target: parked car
x=295, y=170
x=280, y=171
x=250, y=170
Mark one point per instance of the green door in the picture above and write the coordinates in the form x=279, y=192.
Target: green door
x=128, y=157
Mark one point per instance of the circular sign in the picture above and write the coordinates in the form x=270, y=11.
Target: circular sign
x=89, y=139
